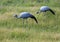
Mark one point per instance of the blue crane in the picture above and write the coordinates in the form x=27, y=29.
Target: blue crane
x=25, y=15
x=45, y=9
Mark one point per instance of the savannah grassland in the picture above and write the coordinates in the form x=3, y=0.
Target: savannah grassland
x=13, y=30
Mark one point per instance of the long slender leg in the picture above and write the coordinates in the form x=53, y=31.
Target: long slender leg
x=23, y=22
x=26, y=23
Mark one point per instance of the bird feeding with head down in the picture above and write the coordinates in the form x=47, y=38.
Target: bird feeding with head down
x=25, y=15
x=45, y=9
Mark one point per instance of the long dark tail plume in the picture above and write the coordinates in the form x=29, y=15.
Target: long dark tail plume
x=33, y=17
x=52, y=12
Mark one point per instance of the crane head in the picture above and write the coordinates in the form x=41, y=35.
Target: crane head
x=37, y=12
x=15, y=15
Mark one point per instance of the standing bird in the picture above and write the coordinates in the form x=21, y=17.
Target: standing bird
x=25, y=15
x=45, y=9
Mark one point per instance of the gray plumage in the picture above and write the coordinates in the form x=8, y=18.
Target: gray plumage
x=26, y=15
x=45, y=9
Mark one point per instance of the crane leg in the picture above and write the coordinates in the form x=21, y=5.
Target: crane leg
x=26, y=23
x=23, y=22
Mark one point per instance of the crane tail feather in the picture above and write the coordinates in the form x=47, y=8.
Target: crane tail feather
x=52, y=11
x=33, y=17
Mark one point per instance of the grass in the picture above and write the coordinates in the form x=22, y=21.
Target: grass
x=28, y=35
x=13, y=30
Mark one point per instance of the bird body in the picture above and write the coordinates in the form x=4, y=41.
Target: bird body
x=45, y=9
x=25, y=15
